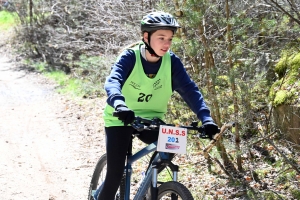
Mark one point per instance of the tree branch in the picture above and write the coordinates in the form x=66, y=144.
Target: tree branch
x=278, y=7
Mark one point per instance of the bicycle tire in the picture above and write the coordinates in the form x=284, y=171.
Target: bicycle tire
x=99, y=172
x=174, y=191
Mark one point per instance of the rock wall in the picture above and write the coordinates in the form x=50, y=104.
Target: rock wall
x=287, y=119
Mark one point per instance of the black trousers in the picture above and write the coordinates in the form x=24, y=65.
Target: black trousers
x=117, y=142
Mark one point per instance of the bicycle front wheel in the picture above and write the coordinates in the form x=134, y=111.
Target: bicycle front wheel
x=174, y=191
x=98, y=178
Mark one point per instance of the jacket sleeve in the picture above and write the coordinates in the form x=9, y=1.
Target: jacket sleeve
x=120, y=71
x=188, y=90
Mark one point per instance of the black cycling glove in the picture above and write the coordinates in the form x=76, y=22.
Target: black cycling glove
x=210, y=129
x=124, y=114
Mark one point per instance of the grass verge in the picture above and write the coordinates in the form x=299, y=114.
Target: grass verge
x=7, y=20
x=67, y=85
x=73, y=86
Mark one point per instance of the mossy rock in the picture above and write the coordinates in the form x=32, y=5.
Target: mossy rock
x=281, y=67
x=280, y=97
x=295, y=63
x=286, y=89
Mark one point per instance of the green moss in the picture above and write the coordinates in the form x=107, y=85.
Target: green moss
x=295, y=63
x=293, y=77
x=281, y=67
x=273, y=90
x=285, y=89
x=280, y=97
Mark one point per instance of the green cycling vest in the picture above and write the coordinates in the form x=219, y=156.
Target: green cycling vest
x=147, y=97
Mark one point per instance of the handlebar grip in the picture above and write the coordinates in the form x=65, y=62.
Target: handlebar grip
x=201, y=129
x=202, y=133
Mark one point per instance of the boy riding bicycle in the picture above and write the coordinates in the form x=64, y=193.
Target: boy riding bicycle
x=141, y=83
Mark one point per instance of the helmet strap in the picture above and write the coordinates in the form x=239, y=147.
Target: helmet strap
x=149, y=48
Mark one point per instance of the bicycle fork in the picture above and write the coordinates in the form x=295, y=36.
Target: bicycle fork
x=156, y=165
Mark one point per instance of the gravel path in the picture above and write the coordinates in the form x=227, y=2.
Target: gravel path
x=49, y=143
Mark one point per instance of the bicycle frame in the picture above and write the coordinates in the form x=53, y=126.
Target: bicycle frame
x=160, y=161
x=132, y=158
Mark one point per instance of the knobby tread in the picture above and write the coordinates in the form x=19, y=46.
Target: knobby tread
x=175, y=187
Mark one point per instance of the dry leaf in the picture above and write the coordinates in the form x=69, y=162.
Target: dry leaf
x=248, y=178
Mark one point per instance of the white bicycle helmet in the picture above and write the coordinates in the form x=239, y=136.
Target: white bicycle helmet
x=158, y=20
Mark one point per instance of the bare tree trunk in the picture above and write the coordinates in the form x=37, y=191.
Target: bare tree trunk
x=216, y=107
x=30, y=12
x=233, y=88
x=210, y=67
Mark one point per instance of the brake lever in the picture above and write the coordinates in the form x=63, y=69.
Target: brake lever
x=138, y=127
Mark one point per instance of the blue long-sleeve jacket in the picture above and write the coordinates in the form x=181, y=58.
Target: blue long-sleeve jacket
x=181, y=82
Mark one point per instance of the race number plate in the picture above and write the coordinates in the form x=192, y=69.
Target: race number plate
x=172, y=139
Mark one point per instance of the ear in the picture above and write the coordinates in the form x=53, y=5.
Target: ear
x=145, y=36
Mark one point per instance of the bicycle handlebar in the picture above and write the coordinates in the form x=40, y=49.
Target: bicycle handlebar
x=141, y=124
x=154, y=124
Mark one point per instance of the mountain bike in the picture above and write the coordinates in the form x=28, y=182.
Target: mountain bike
x=150, y=188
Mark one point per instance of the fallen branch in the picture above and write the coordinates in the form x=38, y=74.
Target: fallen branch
x=264, y=138
x=216, y=138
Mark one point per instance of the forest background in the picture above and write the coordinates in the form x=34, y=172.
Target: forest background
x=243, y=55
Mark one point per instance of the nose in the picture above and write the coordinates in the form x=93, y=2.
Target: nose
x=167, y=43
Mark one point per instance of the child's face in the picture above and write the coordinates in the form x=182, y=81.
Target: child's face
x=161, y=41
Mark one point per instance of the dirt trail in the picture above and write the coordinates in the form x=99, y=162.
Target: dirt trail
x=48, y=143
